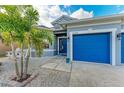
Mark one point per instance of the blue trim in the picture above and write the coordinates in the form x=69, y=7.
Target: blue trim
x=122, y=48
x=92, y=48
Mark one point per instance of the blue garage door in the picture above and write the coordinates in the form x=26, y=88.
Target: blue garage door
x=122, y=49
x=92, y=48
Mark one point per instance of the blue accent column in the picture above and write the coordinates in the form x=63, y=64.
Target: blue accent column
x=122, y=48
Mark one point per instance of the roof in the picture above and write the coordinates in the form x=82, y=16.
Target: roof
x=63, y=17
x=120, y=16
x=44, y=27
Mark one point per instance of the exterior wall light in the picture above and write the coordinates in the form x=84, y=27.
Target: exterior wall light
x=67, y=37
x=119, y=36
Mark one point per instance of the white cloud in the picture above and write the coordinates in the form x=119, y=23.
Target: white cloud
x=50, y=13
x=55, y=11
x=80, y=14
x=122, y=11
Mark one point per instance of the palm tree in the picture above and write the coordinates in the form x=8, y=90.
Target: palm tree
x=18, y=25
x=34, y=36
x=8, y=27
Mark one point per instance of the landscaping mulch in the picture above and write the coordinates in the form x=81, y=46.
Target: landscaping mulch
x=21, y=80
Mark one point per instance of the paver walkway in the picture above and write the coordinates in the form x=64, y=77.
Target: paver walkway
x=7, y=69
x=54, y=73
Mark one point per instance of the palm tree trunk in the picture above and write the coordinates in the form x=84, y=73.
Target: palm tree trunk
x=27, y=62
x=14, y=57
x=22, y=54
x=15, y=61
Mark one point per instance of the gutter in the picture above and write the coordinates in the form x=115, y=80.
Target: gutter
x=94, y=19
x=107, y=18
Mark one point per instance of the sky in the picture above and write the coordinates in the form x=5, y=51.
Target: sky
x=49, y=13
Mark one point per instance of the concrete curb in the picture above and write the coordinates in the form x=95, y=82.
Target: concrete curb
x=33, y=76
x=11, y=83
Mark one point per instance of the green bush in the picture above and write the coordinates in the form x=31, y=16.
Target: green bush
x=2, y=54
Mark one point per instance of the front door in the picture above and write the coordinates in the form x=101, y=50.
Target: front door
x=62, y=46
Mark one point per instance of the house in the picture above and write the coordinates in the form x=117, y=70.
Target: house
x=60, y=43
x=96, y=40
x=48, y=48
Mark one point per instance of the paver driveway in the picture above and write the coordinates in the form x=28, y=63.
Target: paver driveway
x=96, y=75
x=57, y=73
x=54, y=72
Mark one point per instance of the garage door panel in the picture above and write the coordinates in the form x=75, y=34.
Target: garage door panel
x=92, y=47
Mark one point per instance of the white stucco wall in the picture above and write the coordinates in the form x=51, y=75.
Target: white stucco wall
x=99, y=27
